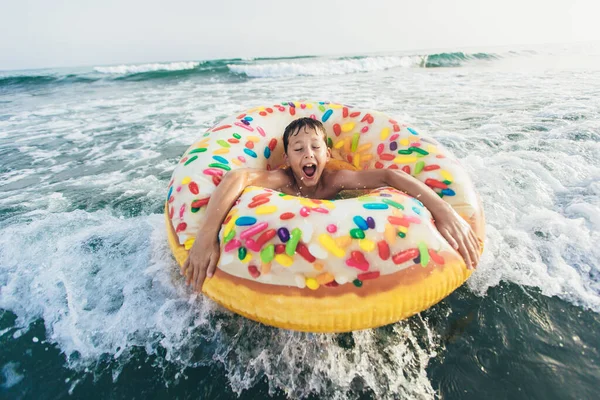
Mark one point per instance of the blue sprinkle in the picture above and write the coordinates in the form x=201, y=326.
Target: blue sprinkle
x=284, y=234
x=221, y=160
x=267, y=153
x=250, y=152
x=375, y=206
x=327, y=115
x=245, y=122
x=448, y=192
x=248, y=118
x=411, y=130
x=245, y=221
x=170, y=191
x=418, y=202
x=360, y=222
x=416, y=210
x=385, y=195
x=417, y=260
x=291, y=103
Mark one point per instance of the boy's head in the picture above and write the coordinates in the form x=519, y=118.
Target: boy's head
x=306, y=152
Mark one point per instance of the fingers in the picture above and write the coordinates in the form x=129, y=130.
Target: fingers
x=185, y=266
x=450, y=239
x=213, y=265
x=201, y=274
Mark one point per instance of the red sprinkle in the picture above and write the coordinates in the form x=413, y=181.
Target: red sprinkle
x=216, y=180
x=398, y=220
x=262, y=113
x=305, y=253
x=240, y=116
x=233, y=140
x=181, y=227
x=258, y=202
x=384, y=250
x=320, y=210
x=393, y=121
x=279, y=248
x=380, y=148
x=287, y=215
x=436, y=257
x=171, y=212
x=435, y=183
x=337, y=129
x=396, y=128
x=368, y=275
x=200, y=203
x=221, y=127
x=393, y=166
x=292, y=110
x=269, y=110
x=406, y=169
x=355, y=114
x=405, y=255
x=254, y=272
x=265, y=237
x=193, y=186
x=378, y=165
x=345, y=112
x=261, y=196
x=332, y=284
x=365, y=129
x=394, y=137
x=272, y=144
x=431, y=167
x=250, y=145
x=386, y=157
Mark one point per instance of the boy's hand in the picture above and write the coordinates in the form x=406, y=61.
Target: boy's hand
x=201, y=262
x=459, y=234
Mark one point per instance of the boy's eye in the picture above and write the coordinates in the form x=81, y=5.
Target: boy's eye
x=316, y=147
x=297, y=149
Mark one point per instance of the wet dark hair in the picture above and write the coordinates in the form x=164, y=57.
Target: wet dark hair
x=296, y=126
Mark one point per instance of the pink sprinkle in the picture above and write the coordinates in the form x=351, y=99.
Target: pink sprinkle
x=254, y=230
x=305, y=211
x=242, y=159
x=380, y=148
x=261, y=131
x=313, y=116
x=320, y=210
x=232, y=245
x=247, y=127
x=365, y=129
x=178, y=188
x=416, y=144
x=213, y=172
x=331, y=228
x=182, y=210
x=252, y=245
x=303, y=106
x=394, y=137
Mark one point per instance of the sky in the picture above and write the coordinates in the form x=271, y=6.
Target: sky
x=57, y=33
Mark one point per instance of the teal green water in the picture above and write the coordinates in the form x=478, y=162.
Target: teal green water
x=91, y=302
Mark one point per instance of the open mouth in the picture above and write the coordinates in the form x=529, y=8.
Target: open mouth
x=309, y=170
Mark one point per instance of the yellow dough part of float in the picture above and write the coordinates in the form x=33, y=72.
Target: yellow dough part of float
x=324, y=265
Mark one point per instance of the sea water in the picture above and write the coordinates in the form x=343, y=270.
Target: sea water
x=91, y=300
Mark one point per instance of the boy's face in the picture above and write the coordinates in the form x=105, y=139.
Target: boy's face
x=307, y=154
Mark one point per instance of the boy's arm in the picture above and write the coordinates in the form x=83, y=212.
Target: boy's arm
x=204, y=254
x=454, y=229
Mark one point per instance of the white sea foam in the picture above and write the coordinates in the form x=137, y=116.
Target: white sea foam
x=323, y=68
x=139, y=68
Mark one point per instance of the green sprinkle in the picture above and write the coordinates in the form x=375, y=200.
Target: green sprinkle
x=190, y=160
x=367, y=199
x=405, y=152
x=447, y=182
x=357, y=283
x=402, y=234
x=237, y=136
x=241, y=253
x=268, y=253
x=419, y=150
x=419, y=167
x=321, y=108
x=229, y=236
x=329, y=142
x=355, y=139
x=357, y=233
x=441, y=194
x=290, y=246
x=195, y=210
x=218, y=165
x=392, y=203
x=198, y=150
x=223, y=143
x=423, y=254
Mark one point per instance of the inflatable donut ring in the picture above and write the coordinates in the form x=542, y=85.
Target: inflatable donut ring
x=320, y=265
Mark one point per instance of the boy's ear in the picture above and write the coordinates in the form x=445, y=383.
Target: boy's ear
x=328, y=154
x=286, y=159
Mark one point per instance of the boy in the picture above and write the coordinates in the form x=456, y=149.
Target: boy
x=306, y=153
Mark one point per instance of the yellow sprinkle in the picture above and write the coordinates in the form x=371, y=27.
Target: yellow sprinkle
x=330, y=245
x=385, y=132
x=402, y=229
x=348, y=126
x=347, y=144
x=364, y=147
x=307, y=203
x=324, y=278
x=222, y=150
x=230, y=224
x=236, y=161
x=446, y=175
x=284, y=260
x=404, y=142
x=366, y=157
x=309, y=105
x=318, y=266
x=343, y=241
x=189, y=243
x=329, y=204
x=253, y=138
x=356, y=160
x=405, y=159
x=389, y=234
x=186, y=180
x=265, y=268
x=262, y=210
x=431, y=149
x=248, y=258
x=335, y=106
x=312, y=283
x=339, y=144
x=366, y=244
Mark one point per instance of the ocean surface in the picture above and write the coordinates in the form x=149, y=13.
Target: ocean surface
x=91, y=301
